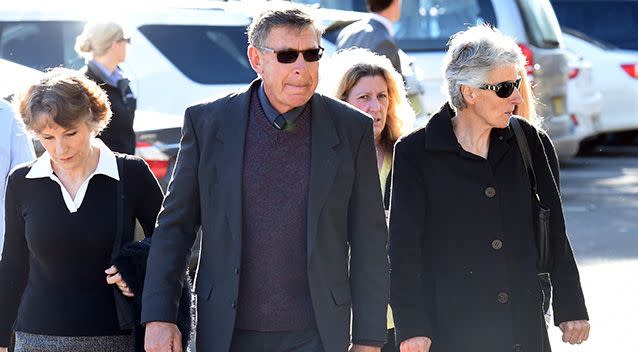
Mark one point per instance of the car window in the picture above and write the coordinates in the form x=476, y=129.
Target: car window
x=205, y=54
x=540, y=23
x=428, y=24
x=40, y=45
x=613, y=22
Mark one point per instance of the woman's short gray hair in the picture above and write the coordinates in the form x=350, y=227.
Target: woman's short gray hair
x=470, y=57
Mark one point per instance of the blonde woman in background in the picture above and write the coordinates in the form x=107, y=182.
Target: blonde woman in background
x=103, y=46
x=370, y=83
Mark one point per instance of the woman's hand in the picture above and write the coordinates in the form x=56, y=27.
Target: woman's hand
x=113, y=277
x=575, y=332
x=416, y=344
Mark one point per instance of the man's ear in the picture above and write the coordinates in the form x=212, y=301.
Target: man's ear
x=468, y=94
x=254, y=56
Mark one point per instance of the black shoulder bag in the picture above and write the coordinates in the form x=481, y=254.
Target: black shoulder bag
x=540, y=216
x=123, y=307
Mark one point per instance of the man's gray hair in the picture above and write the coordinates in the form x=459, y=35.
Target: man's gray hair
x=472, y=54
x=290, y=16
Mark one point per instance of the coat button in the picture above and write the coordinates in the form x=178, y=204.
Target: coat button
x=234, y=304
x=490, y=192
x=517, y=348
x=497, y=244
x=237, y=271
x=500, y=138
x=502, y=297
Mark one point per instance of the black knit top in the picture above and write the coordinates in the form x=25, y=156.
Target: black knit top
x=52, y=279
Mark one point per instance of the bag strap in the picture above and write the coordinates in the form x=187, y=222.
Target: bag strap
x=119, y=232
x=525, y=153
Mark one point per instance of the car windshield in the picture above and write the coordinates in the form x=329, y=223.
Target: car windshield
x=205, y=54
x=612, y=22
x=540, y=23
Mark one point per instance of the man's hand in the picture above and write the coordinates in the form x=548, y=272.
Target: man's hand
x=416, y=344
x=4, y=349
x=162, y=337
x=575, y=332
x=363, y=348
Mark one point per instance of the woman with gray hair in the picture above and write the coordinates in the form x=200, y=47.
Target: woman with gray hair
x=103, y=46
x=462, y=241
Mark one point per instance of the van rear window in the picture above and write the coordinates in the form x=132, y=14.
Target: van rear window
x=427, y=25
x=541, y=24
x=205, y=54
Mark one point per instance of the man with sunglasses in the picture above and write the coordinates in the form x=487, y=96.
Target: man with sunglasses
x=375, y=33
x=283, y=183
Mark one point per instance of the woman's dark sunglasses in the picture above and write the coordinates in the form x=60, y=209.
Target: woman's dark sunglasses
x=289, y=56
x=503, y=89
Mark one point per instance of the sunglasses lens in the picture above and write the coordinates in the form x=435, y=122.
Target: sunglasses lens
x=312, y=55
x=287, y=56
x=505, y=89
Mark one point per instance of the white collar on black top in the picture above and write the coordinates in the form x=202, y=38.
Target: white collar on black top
x=106, y=165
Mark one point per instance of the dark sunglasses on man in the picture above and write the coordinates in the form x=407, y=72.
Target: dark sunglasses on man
x=289, y=56
x=503, y=89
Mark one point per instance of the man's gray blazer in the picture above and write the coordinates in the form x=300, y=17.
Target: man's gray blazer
x=370, y=34
x=346, y=237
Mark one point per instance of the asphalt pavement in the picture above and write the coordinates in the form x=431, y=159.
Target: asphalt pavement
x=600, y=198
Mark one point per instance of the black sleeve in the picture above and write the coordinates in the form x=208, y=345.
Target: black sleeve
x=14, y=266
x=149, y=196
x=568, y=301
x=407, y=233
x=175, y=233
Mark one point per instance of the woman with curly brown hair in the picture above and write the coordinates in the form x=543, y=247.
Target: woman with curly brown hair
x=61, y=220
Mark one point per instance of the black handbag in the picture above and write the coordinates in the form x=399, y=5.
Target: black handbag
x=541, y=215
x=125, y=314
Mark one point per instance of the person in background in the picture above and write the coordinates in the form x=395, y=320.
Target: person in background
x=61, y=219
x=15, y=148
x=462, y=241
x=375, y=33
x=103, y=45
x=370, y=83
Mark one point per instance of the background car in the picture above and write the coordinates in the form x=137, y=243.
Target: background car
x=425, y=28
x=615, y=74
x=14, y=78
x=609, y=21
x=584, y=100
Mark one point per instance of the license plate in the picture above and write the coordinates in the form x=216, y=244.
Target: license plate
x=558, y=105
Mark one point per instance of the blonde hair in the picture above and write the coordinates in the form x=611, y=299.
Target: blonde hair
x=350, y=65
x=65, y=97
x=527, y=108
x=97, y=38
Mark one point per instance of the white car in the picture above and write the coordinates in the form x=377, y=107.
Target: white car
x=177, y=56
x=584, y=100
x=615, y=74
x=15, y=77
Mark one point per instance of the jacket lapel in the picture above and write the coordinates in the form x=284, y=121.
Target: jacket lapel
x=232, y=135
x=324, y=162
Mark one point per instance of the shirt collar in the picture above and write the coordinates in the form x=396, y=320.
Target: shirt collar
x=384, y=21
x=272, y=113
x=109, y=77
x=106, y=165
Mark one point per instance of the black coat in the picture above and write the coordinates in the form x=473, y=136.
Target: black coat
x=462, y=248
x=118, y=135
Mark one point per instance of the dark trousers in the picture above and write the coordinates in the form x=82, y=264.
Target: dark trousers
x=281, y=341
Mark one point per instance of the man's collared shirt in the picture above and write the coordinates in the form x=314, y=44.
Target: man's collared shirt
x=111, y=78
x=386, y=22
x=271, y=113
x=107, y=165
